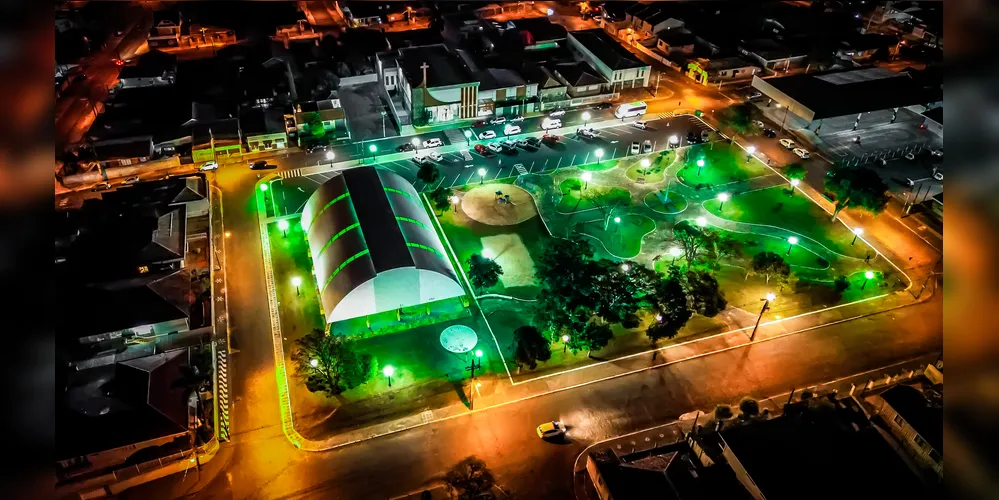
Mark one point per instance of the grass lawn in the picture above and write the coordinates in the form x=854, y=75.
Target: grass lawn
x=656, y=171
x=796, y=213
x=594, y=196
x=753, y=244
x=598, y=166
x=622, y=239
x=468, y=237
x=299, y=309
x=723, y=164
x=674, y=204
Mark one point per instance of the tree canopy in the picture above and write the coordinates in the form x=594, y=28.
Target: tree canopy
x=593, y=337
x=483, y=272
x=857, y=188
x=530, y=346
x=441, y=198
x=428, y=173
x=692, y=239
x=469, y=478
x=315, y=124
x=670, y=308
x=738, y=118
x=795, y=171
x=703, y=294
x=338, y=366
x=564, y=274
x=771, y=265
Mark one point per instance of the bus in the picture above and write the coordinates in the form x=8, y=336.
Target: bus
x=631, y=109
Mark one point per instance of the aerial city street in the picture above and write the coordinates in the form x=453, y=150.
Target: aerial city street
x=559, y=249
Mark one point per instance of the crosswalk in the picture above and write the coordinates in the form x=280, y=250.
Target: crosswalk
x=291, y=173
x=659, y=116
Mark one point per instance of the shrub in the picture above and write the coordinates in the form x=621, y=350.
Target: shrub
x=630, y=321
x=723, y=412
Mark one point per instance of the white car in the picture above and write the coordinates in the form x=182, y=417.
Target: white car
x=635, y=148
x=937, y=152
x=938, y=175
x=549, y=124
x=432, y=143
x=488, y=134
x=435, y=156
x=802, y=153
x=498, y=121
x=587, y=132
x=787, y=143
x=641, y=125
x=646, y=146
x=511, y=129
x=557, y=113
x=495, y=148
x=131, y=180
x=518, y=118
x=759, y=123
x=209, y=166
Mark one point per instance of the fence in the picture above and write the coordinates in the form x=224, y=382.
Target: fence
x=883, y=154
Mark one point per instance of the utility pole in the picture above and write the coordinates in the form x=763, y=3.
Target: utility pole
x=766, y=306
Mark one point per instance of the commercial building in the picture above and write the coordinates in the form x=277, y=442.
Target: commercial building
x=615, y=63
x=373, y=246
x=914, y=414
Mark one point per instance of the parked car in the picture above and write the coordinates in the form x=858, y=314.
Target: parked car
x=209, y=166
x=759, y=123
x=523, y=143
x=769, y=132
x=602, y=105
x=422, y=160
x=635, y=148
x=118, y=33
x=131, y=180
x=433, y=143
x=550, y=139
x=488, y=134
x=787, y=143
x=517, y=119
x=435, y=156
x=802, y=153
x=494, y=147
x=691, y=138
x=589, y=133
x=640, y=124
x=705, y=135
x=881, y=162
x=103, y=186
x=557, y=113
x=511, y=129
x=548, y=124
x=550, y=430
x=479, y=148
x=754, y=94
x=647, y=146
x=261, y=165
x=402, y=148
x=938, y=175
x=498, y=121
x=937, y=152
x=533, y=141
x=480, y=123
x=317, y=148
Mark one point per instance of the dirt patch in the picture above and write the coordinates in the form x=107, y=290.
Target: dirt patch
x=484, y=205
x=511, y=254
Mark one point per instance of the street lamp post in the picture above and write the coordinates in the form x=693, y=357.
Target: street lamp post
x=599, y=153
x=786, y=109
x=468, y=137
x=586, y=117
x=792, y=241
x=794, y=184
x=750, y=150
x=478, y=355
x=297, y=282
x=415, y=142
x=586, y=179
x=456, y=201
x=565, y=343
x=388, y=371
x=722, y=198
x=373, y=149
x=857, y=231
x=329, y=156
x=766, y=306
x=675, y=252
x=867, y=276
x=283, y=226
x=701, y=221
x=482, y=175
x=700, y=165
x=645, y=163
x=313, y=362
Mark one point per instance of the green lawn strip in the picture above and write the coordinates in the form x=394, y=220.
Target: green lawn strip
x=624, y=239
x=676, y=202
x=656, y=171
x=773, y=206
x=753, y=244
x=287, y=198
x=599, y=166
x=722, y=165
x=575, y=199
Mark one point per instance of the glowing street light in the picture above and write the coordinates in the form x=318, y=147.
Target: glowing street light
x=565, y=343
x=857, y=231
x=675, y=252
x=586, y=178
x=283, y=226
x=482, y=175
x=599, y=153
x=297, y=283
x=792, y=241
x=700, y=165
x=329, y=156
x=468, y=137
x=674, y=141
x=264, y=187
x=766, y=307
x=645, y=163
x=617, y=220
x=794, y=184
x=722, y=197
x=701, y=222
x=415, y=142
x=228, y=234
x=867, y=276
x=625, y=267
x=586, y=117
x=313, y=362
x=487, y=254
x=750, y=149
x=388, y=371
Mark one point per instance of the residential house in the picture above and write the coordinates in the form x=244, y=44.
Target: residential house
x=331, y=114
x=720, y=70
x=653, y=18
x=263, y=129
x=460, y=25
x=154, y=68
x=915, y=418
x=159, y=112
x=615, y=63
x=166, y=33
x=581, y=79
x=772, y=55
x=933, y=120
x=678, y=40
x=211, y=139
x=122, y=152
x=360, y=14
x=536, y=33
x=551, y=88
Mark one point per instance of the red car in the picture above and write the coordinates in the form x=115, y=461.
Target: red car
x=549, y=139
x=479, y=148
x=480, y=123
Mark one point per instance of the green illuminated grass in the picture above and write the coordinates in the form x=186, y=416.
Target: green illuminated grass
x=624, y=239
x=576, y=199
x=655, y=172
x=598, y=166
x=722, y=165
x=676, y=202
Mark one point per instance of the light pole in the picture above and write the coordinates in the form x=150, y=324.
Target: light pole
x=329, y=156
x=794, y=184
x=586, y=117
x=478, y=355
x=792, y=241
x=297, y=282
x=674, y=141
x=625, y=267
x=857, y=231
x=388, y=371
x=482, y=175
x=373, y=149
x=750, y=149
x=617, y=224
x=786, y=109
x=415, y=142
x=599, y=153
x=766, y=306
x=283, y=226
x=701, y=222
x=468, y=137
x=700, y=165
x=313, y=362
x=675, y=252
x=867, y=276
x=455, y=200
x=565, y=343
x=586, y=179
x=722, y=197
x=645, y=165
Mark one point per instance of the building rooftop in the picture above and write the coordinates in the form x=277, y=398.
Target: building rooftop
x=124, y=148
x=925, y=416
x=152, y=64
x=444, y=67
x=498, y=78
x=159, y=112
x=540, y=29
x=256, y=121
x=770, y=50
x=579, y=74
x=605, y=48
x=725, y=63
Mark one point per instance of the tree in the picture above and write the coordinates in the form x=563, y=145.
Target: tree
x=483, y=272
x=315, y=124
x=428, y=173
x=593, y=337
x=441, y=199
x=691, y=238
x=795, y=171
x=841, y=284
x=338, y=366
x=738, y=118
x=469, y=478
x=857, y=187
x=729, y=246
x=670, y=306
x=770, y=265
x=563, y=272
x=616, y=295
x=703, y=294
x=530, y=346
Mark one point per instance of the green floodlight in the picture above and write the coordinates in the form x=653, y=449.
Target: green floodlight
x=869, y=275
x=700, y=162
x=283, y=224
x=478, y=353
x=264, y=187
x=388, y=371
x=372, y=148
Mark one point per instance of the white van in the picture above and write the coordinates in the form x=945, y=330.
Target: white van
x=432, y=143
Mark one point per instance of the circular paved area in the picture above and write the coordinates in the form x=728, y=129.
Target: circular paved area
x=459, y=338
x=482, y=205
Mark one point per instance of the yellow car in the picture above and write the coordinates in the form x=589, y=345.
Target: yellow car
x=551, y=429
